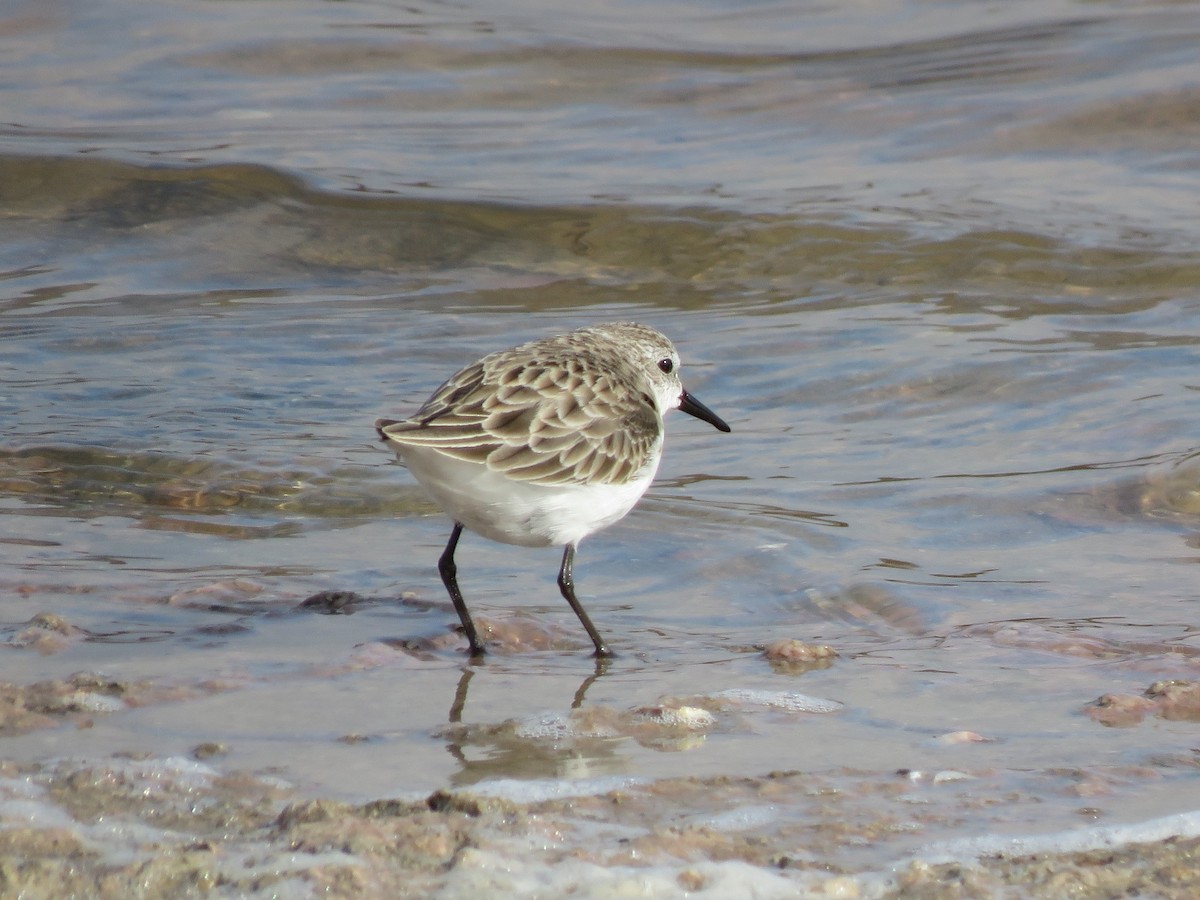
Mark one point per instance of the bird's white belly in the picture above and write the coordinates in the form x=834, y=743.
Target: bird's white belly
x=516, y=512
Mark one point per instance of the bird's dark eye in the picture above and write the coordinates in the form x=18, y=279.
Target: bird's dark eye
x=666, y=365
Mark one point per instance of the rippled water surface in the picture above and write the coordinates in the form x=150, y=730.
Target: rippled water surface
x=934, y=262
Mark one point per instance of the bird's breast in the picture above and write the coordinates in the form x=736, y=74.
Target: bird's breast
x=518, y=512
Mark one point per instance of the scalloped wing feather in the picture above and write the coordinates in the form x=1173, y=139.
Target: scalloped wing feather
x=538, y=418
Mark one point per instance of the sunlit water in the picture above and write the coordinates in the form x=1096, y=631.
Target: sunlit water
x=933, y=262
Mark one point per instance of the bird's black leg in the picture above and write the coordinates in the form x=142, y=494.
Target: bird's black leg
x=566, y=584
x=450, y=578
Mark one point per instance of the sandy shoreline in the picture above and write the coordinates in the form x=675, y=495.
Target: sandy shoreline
x=178, y=827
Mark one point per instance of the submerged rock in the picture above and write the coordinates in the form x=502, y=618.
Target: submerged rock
x=1175, y=700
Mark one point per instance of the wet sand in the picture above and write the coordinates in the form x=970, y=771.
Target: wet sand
x=177, y=827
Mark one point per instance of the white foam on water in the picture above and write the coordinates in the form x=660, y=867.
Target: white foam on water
x=1184, y=825
x=539, y=790
x=91, y=701
x=556, y=726
x=691, y=717
x=786, y=700
x=177, y=772
x=20, y=788
x=33, y=813
x=546, y=726
x=484, y=873
x=740, y=818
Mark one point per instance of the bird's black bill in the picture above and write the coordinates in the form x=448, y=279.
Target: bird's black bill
x=694, y=407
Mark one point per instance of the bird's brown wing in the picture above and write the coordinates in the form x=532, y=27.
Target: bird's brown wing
x=542, y=420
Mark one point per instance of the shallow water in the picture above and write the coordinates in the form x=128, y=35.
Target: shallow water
x=933, y=262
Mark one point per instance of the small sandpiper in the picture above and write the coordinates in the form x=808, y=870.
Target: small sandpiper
x=546, y=443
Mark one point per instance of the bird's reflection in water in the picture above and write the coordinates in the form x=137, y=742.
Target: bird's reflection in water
x=545, y=745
